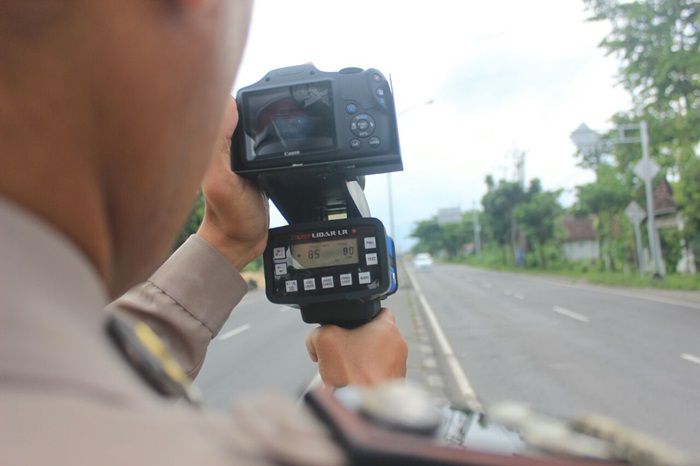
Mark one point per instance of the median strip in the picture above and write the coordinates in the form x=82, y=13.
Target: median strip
x=234, y=332
x=569, y=313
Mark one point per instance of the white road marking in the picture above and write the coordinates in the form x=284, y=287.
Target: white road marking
x=519, y=296
x=465, y=388
x=690, y=358
x=569, y=313
x=234, y=332
x=617, y=292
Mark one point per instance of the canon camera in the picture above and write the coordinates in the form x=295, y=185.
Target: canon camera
x=308, y=138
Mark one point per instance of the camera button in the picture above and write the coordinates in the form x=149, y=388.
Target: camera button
x=371, y=258
x=374, y=141
x=309, y=284
x=364, y=278
x=362, y=125
x=351, y=108
x=280, y=269
x=291, y=286
x=355, y=143
x=345, y=279
x=327, y=282
x=380, y=92
x=370, y=242
x=279, y=253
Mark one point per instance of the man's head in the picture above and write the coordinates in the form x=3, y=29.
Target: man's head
x=109, y=112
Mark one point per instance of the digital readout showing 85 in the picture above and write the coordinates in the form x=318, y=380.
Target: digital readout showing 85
x=326, y=253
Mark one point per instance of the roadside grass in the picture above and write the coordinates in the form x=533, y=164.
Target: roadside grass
x=669, y=282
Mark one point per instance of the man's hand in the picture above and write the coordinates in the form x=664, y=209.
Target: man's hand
x=368, y=355
x=236, y=216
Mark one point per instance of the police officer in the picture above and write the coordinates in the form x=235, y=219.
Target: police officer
x=110, y=112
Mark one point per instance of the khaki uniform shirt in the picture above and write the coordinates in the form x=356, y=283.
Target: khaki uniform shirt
x=67, y=397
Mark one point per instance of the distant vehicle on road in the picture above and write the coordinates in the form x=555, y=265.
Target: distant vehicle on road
x=423, y=262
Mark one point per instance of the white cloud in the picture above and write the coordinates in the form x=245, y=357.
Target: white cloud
x=503, y=75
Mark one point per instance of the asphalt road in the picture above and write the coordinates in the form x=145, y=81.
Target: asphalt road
x=260, y=347
x=564, y=348
x=570, y=349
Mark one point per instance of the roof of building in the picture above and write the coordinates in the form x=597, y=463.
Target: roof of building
x=578, y=228
x=663, y=199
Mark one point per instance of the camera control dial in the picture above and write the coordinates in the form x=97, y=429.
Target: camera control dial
x=362, y=125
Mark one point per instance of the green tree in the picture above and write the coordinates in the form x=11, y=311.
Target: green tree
x=429, y=236
x=435, y=238
x=538, y=217
x=499, y=202
x=605, y=198
x=658, y=45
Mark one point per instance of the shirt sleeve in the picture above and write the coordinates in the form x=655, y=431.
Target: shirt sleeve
x=187, y=300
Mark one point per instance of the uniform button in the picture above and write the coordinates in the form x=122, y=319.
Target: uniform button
x=280, y=269
x=355, y=144
x=327, y=282
x=380, y=92
x=370, y=242
x=364, y=278
x=351, y=109
x=374, y=141
x=309, y=284
x=291, y=286
x=346, y=279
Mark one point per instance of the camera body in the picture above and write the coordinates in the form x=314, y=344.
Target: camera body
x=302, y=120
x=308, y=138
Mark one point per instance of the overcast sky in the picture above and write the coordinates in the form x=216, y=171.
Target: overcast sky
x=503, y=75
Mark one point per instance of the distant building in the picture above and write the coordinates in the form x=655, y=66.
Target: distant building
x=665, y=209
x=667, y=216
x=580, y=242
x=449, y=215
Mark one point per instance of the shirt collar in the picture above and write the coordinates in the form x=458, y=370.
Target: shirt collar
x=52, y=313
x=33, y=252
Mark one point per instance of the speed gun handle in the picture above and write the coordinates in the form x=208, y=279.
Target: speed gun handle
x=346, y=314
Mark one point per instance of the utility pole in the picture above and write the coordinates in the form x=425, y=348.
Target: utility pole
x=635, y=214
x=477, y=230
x=520, y=168
x=646, y=170
x=589, y=142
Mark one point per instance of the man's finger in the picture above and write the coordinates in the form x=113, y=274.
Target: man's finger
x=387, y=315
x=230, y=118
x=311, y=346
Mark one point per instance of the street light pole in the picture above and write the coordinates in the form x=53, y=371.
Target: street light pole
x=391, y=207
x=390, y=192
x=651, y=224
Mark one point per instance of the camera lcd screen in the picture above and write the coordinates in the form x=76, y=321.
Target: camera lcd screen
x=289, y=120
x=325, y=253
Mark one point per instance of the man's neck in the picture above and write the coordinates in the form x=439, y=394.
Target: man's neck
x=48, y=170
